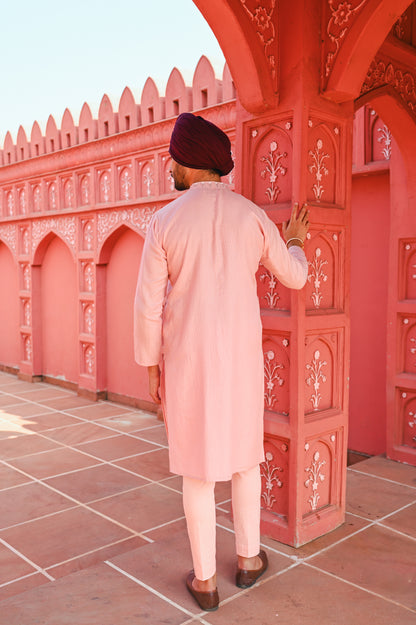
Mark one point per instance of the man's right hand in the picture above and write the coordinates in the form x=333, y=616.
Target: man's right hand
x=297, y=226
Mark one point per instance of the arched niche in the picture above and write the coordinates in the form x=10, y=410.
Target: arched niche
x=178, y=97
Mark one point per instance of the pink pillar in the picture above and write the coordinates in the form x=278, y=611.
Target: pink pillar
x=302, y=151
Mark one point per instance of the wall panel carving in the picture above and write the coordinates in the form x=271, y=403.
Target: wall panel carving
x=272, y=151
x=276, y=373
x=406, y=425
x=271, y=293
x=407, y=279
x=324, y=250
x=275, y=476
x=321, y=479
x=323, y=160
x=323, y=359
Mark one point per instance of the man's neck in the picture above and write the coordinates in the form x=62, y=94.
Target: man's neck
x=202, y=175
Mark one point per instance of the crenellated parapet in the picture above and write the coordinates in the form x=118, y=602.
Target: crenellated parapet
x=206, y=91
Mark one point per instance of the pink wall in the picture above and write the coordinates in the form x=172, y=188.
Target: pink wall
x=59, y=307
x=124, y=376
x=369, y=268
x=9, y=309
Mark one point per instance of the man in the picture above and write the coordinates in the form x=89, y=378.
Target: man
x=197, y=312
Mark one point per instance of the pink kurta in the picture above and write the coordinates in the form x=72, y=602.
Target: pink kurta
x=207, y=244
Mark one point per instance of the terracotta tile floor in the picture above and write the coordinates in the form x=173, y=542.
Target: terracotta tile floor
x=92, y=530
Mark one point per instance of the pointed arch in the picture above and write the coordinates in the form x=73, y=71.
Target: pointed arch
x=52, y=136
x=37, y=140
x=9, y=149
x=107, y=119
x=178, y=95
x=206, y=89
x=68, y=130
x=127, y=111
x=152, y=106
x=87, y=126
x=22, y=145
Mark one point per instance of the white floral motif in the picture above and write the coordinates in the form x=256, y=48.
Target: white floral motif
x=105, y=187
x=125, y=184
x=25, y=241
x=148, y=180
x=317, y=275
x=273, y=168
x=314, y=478
x=37, y=198
x=26, y=277
x=89, y=318
x=319, y=168
x=85, y=190
x=89, y=277
x=412, y=423
x=27, y=314
x=315, y=378
x=88, y=235
x=272, y=296
x=22, y=201
x=89, y=357
x=10, y=203
x=269, y=472
x=272, y=378
x=386, y=138
x=28, y=348
x=52, y=196
x=69, y=194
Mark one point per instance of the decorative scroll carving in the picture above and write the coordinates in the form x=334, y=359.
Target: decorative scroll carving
x=261, y=14
x=276, y=374
x=148, y=180
x=272, y=296
x=105, y=187
x=65, y=227
x=341, y=17
x=381, y=73
x=8, y=234
x=69, y=194
x=138, y=218
x=88, y=277
x=89, y=317
x=37, y=198
x=385, y=139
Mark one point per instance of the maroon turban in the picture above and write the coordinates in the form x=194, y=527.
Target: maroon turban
x=199, y=144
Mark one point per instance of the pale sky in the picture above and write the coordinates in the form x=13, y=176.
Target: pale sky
x=56, y=54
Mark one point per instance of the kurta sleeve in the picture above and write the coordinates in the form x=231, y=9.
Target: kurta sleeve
x=149, y=299
x=288, y=265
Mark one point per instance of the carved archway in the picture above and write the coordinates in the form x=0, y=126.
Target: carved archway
x=246, y=32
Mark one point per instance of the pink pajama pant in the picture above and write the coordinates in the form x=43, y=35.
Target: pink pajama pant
x=199, y=507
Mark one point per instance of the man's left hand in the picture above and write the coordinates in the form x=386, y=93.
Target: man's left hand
x=154, y=383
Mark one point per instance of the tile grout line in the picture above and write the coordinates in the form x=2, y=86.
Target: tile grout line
x=393, y=529
x=18, y=579
x=38, y=568
x=367, y=590
x=380, y=477
x=82, y=505
x=149, y=588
